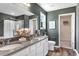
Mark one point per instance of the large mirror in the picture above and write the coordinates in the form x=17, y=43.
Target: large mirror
x=42, y=21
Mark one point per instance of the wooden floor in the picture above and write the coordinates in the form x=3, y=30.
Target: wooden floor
x=62, y=52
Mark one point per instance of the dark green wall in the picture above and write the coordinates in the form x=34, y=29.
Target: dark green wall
x=53, y=15
x=1, y=27
x=21, y=17
x=35, y=8
x=33, y=16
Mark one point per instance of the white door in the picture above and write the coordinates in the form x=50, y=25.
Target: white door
x=67, y=30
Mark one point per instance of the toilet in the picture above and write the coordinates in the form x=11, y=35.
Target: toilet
x=51, y=45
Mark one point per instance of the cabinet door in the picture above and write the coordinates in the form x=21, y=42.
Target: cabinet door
x=33, y=50
x=45, y=45
x=24, y=52
x=39, y=49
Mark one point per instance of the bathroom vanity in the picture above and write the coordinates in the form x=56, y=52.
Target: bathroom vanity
x=38, y=46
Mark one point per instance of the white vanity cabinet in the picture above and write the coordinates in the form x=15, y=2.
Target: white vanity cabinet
x=37, y=49
x=41, y=48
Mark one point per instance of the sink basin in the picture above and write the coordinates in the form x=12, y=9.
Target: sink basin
x=10, y=47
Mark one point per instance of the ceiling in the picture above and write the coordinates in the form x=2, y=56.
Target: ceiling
x=17, y=9
x=14, y=9
x=55, y=6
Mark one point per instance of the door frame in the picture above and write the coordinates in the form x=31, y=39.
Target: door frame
x=72, y=28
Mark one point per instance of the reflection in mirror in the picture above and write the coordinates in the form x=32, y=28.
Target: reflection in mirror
x=33, y=24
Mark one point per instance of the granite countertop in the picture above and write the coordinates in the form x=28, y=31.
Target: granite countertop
x=23, y=45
